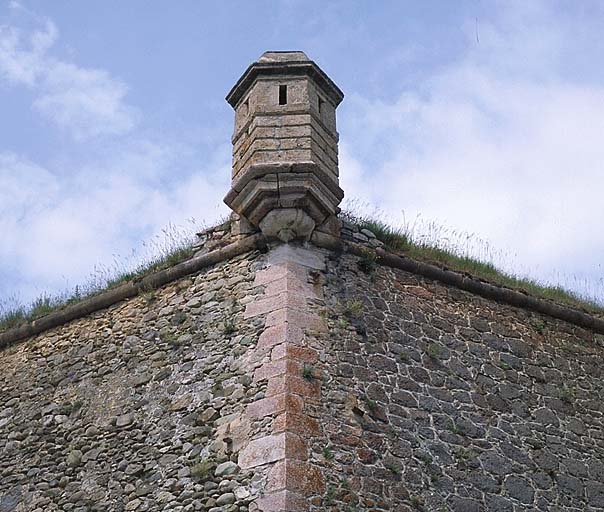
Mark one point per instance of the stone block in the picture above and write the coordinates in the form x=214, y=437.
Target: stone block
x=295, y=353
x=282, y=501
x=278, y=334
x=295, y=318
x=294, y=385
x=271, y=449
x=291, y=285
x=297, y=476
x=280, y=367
x=291, y=255
x=272, y=303
x=301, y=424
x=273, y=405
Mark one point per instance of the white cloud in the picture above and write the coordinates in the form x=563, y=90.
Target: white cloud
x=88, y=102
x=56, y=230
x=85, y=102
x=512, y=152
x=22, y=59
x=62, y=219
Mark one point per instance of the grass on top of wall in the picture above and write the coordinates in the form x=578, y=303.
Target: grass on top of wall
x=447, y=248
x=435, y=244
x=167, y=249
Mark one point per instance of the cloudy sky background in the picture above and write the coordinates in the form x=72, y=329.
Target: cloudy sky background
x=485, y=117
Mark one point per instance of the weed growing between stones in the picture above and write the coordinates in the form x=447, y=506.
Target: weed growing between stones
x=170, y=338
x=178, y=318
x=353, y=309
x=308, y=372
x=504, y=366
x=228, y=326
x=203, y=470
x=149, y=297
x=433, y=351
x=393, y=468
x=343, y=323
x=417, y=502
x=368, y=262
x=371, y=404
x=330, y=496
x=539, y=325
x=463, y=457
x=424, y=457
x=327, y=453
x=454, y=429
x=567, y=394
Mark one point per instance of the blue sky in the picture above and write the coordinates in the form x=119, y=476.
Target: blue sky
x=483, y=116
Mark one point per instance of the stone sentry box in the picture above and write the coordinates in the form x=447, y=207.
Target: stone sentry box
x=285, y=147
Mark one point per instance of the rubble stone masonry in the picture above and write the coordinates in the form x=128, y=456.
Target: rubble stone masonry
x=304, y=379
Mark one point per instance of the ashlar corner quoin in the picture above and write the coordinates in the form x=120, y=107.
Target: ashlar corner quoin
x=295, y=364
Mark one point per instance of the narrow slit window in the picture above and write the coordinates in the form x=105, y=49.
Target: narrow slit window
x=321, y=105
x=283, y=95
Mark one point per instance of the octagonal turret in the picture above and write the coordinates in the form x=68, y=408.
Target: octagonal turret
x=285, y=146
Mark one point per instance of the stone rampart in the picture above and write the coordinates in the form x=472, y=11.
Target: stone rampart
x=303, y=379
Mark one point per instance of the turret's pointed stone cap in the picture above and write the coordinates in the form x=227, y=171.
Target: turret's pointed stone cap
x=287, y=63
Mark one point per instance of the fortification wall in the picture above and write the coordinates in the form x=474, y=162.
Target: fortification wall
x=435, y=399
x=304, y=379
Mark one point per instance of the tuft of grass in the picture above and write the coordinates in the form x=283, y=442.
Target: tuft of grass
x=327, y=453
x=203, y=470
x=308, y=372
x=465, y=253
x=503, y=365
x=567, y=394
x=228, y=326
x=393, y=468
x=353, y=309
x=539, y=325
x=330, y=496
x=392, y=237
x=368, y=262
x=371, y=404
x=433, y=351
x=425, y=457
x=417, y=502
